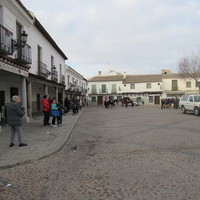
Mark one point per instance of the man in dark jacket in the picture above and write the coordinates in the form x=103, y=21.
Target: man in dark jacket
x=67, y=104
x=14, y=120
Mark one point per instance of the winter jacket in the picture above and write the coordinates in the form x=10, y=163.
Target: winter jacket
x=45, y=105
x=14, y=114
x=54, y=107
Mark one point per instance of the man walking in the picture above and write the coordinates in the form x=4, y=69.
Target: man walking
x=14, y=120
x=46, y=109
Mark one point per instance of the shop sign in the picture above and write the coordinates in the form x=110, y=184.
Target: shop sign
x=13, y=69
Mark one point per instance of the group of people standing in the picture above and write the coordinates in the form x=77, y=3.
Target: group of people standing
x=108, y=102
x=75, y=105
x=56, y=110
x=15, y=113
x=52, y=108
x=169, y=103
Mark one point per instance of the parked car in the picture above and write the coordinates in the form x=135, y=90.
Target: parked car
x=190, y=103
x=135, y=103
x=129, y=102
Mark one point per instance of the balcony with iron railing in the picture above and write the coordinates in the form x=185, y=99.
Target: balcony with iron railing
x=80, y=88
x=94, y=91
x=42, y=70
x=62, y=79
x=54, y=76
x=113, y=91
x=104, y=91
x=84, y=91
x=24, y=54
x=72, y=87
x=6, y=38
x=76, y=89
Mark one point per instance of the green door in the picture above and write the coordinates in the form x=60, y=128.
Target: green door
x=174, y=85
x=103, y=88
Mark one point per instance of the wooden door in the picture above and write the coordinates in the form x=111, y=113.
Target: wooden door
x=100, y=100
x=157, y=100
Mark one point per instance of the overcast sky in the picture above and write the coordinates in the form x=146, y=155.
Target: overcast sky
x=132, y=36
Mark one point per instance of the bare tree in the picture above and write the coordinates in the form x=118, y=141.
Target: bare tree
x=189, y=67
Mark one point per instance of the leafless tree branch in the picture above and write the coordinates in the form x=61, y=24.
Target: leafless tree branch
x=189, y=66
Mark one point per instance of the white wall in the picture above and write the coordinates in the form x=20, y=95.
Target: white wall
x=108, y=84
x=72, y=74
x=13, y=13
x=142, y=87
x=167, y=84
x=37, y=39
x=126, y=88
x=8, y=81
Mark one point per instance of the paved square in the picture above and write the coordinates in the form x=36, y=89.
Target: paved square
x=139, y=153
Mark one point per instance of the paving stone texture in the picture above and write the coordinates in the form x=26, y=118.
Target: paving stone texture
x=139, y=153
x=42, y=141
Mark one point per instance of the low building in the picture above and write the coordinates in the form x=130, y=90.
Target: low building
x=143, y=88
x=105, y=85
x=76, y=84
x=176, y=85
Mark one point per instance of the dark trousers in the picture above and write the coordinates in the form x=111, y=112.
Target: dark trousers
x=46, y=118
x=59, y=120
x=74, y=110
x=54, y=120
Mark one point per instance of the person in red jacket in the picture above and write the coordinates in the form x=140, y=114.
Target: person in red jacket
x=46, y=109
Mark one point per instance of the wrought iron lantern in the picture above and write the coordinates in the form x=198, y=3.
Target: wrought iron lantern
x=16, y=44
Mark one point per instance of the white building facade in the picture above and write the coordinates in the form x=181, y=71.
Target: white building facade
x=46, y=75
x=30, y=70
x=175, y=85
x=76, y=84
x=143, y=88
x=107, y=85
x=15, y=56
x=149, y=89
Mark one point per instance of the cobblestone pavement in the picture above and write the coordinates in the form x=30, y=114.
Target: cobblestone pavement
x=42, y=141
x=139, y=153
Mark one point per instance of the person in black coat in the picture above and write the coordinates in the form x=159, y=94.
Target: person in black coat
x=14, y=119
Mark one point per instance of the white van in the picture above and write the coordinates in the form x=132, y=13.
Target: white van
x=190, y=103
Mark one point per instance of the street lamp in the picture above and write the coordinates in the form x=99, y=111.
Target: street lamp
x=52, y=72
x=16, y=44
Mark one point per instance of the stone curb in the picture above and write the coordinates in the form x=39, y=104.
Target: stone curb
x=28, y=161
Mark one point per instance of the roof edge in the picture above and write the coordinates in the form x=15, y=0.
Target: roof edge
x=43, y=31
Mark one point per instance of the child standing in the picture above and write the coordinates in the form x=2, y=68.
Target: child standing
x=54, y=112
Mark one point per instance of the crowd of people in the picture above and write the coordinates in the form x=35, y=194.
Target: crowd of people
x=169, y=103
x=56, y=110
x=51, y=108
x=108, y=102
x=15, y=112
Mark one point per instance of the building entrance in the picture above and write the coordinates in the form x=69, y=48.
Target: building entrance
x=100, y=100
x=157, y=100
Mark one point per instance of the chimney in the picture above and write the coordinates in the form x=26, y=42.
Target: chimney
x=124, y=75
x=165, y=71
x=99, y=73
